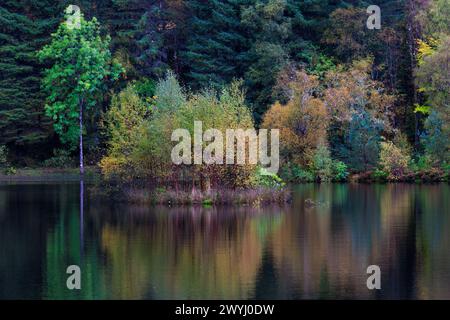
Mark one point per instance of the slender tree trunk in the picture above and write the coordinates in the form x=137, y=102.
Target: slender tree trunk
x=413, y=33
x=81, y=139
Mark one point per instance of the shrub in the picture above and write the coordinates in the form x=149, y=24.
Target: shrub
x=169, y=95
x=3, y=157
x=421, y=163
x=393, y=160
x=362, y=147
x=322, y=163
x=4, y=164
x=267, y=179
x=380, y=175
x=141, y=143
x=340, y=172
x=436, y=138
x=10, y=171
x=123, y=125
x=61, y=159
x=295, y=173
x=145, y=88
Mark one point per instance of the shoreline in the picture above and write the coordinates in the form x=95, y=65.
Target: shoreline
x=93, y=173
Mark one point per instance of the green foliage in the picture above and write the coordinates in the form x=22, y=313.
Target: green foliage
x=25, y=27
x=142, y=146
x=212, y=53
x=380, y=175
x=145, y=88
x=323, y=164
x=433, y=80
x=320, y=65
x=4, y=163
x=361, y=151
x=340, y=171
x=436, y=138
x=169, y=94
x=124, y=121
x=436, y=18
x=422, y=109
x=61, y=159
x=81, y=70
x=295, y=173
x=267, y=179
x=3, y=156
x=421, y=163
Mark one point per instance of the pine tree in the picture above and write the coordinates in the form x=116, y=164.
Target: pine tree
x=214, y=49
x=25, y=27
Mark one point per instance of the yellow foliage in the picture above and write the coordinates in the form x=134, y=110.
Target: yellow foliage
x=426, y=48
x=302, y=122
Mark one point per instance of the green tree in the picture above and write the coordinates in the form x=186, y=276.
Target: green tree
x=432, y=77
x=436, y=138
x=213, y=51
x=362, y=148
x=82, y=68
x=24, y=29
x=123, y=120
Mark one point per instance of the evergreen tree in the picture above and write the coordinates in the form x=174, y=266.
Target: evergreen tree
x=161, y=36
x=215, y=46
x=362, y=148
x=25, y=27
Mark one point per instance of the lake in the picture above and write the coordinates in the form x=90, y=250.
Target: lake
x=317, y=249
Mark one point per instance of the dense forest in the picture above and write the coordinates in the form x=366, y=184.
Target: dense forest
x=348, y=100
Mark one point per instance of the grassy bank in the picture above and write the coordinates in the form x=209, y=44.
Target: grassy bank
x=50, y=174
x=252, y=197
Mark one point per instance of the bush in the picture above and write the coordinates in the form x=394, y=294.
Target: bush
x=3, y=157
x=61, y=159
x=295, y=173
x=140, y=145
x=10, y=171
x=145, y=88
x=362, y=147
x=422, y=163
x=393, y=160
x=380, y=175
x=124, y=121
x=4, y=164
x=322, y=163
x=264, y=178
x=436, y=138
x=340, y=172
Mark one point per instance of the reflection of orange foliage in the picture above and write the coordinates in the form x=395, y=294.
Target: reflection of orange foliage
x=315, y=259
x=215, y=262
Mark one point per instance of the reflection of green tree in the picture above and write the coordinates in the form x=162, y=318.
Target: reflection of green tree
x=433, y=239
x=64, y=249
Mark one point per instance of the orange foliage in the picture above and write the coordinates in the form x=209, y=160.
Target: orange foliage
x=302, y=122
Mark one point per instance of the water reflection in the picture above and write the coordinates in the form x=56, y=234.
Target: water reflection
x=296, y=252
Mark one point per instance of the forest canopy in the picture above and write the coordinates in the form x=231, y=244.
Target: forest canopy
x=346, y=98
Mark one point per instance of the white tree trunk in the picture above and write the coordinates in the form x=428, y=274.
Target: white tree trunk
x=81, y=139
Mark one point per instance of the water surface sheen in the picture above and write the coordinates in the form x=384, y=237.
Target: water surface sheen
x=295, y=252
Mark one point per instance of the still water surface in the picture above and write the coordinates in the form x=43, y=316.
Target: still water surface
x=293, y=252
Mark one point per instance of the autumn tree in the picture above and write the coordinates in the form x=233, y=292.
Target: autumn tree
x=303, y=121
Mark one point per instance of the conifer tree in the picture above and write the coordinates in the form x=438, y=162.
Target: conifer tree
x=215, y=47
x=25, y=27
